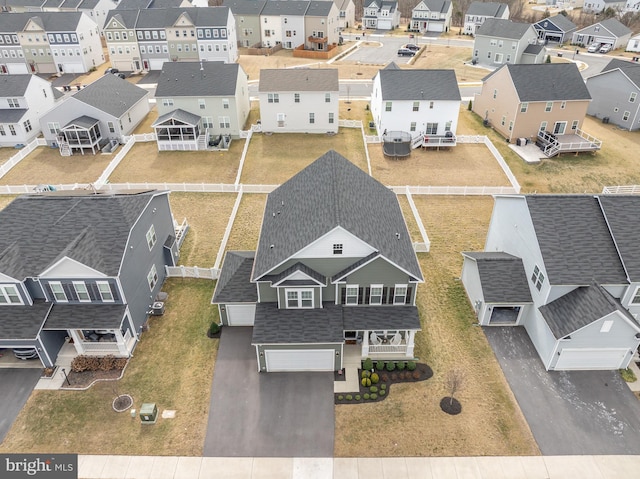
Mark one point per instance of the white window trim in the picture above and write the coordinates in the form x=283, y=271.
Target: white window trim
x=53, y=293
x=371, y=293
x=298, y=292
x=5, y=295
x=78, y=285
x=102, y=293
x=347, y=295
x=151, y=237
x=404, y=296
x=152, y=277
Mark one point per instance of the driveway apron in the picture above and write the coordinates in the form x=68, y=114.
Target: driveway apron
x=266, y=414
x=16, y=386
x=569, y=412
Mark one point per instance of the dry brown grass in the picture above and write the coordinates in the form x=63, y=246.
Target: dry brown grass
x=45, y=165
x=172, y=366
x=6, y=153
x=246, y=226
x=5, y=200
x=442, y=56
x=207, y=215
x=273, y=159
x=144, y=163
x=356, y=110
x=615, y=164
x=409, y=422
x=145, y=125
x=252, y=64
x=462, y=165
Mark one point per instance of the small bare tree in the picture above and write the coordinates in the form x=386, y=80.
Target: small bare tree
x=454, y=381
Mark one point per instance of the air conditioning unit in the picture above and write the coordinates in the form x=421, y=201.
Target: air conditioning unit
x=157, y=308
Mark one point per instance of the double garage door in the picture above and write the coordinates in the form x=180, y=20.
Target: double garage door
x=280, y=360
x=572, y=359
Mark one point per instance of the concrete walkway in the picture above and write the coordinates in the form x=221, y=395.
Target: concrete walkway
x=533, y=467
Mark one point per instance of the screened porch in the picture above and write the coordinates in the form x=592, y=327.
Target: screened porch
x=81, y=134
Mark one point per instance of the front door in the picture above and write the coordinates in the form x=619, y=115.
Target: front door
x=559, y=127
x=137, y=65
x=145, y=65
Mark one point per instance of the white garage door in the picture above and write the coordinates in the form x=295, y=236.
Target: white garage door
x=156, y=63
x=17, y=68
x=436, y=27
x=299, y=360
x=73, y=67
x=591, y=359
x=241, y=314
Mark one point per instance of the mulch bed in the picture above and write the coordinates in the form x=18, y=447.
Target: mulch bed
x=86, y=378
x=450, y=405
x=421, y=373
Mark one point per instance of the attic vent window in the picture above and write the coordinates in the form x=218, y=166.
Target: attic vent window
x=537, y=278
x=337, y=248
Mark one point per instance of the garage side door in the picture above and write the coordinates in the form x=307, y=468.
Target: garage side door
x=299, y=360
x=591, y=359
x=241, y=314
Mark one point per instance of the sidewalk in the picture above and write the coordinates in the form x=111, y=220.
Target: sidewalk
x=534, y=467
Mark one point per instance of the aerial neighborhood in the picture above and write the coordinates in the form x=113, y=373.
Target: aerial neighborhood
x=292, y=229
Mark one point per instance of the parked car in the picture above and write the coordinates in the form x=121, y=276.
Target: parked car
x=606, y=48
x=405, y=52
x=111, y=70
x=412, y=46
x=121, y=75
x=594, y=47
x=25, y=353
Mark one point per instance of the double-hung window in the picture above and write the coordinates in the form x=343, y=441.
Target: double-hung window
x=152, y=277
x=400, y=294
x=105, y=291
x=151, y=237
x=81, y=291
x=351, y=294
x=375, y=294
x=9, y=295
x=58, y=292
x=299, y=298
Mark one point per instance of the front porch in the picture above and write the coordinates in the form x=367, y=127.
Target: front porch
x=386, y=344
x=102, y=342
x=553, y=144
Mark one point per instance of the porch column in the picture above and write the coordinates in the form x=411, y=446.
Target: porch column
x=365, y=344
x=122, y=346
x=410, y=337
x=77, y=341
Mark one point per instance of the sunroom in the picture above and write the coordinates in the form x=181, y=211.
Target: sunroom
x=180, y=130
x=80, y=134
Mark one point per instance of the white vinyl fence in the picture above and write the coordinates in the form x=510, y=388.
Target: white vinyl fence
x=191, y=272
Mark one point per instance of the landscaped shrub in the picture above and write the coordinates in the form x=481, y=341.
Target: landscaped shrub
x=416, y=375
x=366, y=396
x=214, y=328
x=379, y=365
x=394, y=376
x=401, y=365
x=365, y=374
x=373, y=389
x=375, y=378
x=385, y=378
x=383, y=387
x=357, y=397
x=382, y=392
x=373, y=396
x=348, y=397
x=367, y=364
x=411, y=365
x=340, y=397
x=366, y=382
x=93, y=363
x=391, y=366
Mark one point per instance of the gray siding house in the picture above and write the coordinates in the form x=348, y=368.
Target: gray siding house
x=247, y=16
x=88, y=279
x=567, y=268
x=556, y=29
x=200, y=104
x=313, y=289
x=614, y=93
x=478, y=12
x=609, y=31
x=501, y=41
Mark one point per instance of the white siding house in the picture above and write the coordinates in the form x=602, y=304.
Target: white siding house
x=478, y=12
x=299, y=101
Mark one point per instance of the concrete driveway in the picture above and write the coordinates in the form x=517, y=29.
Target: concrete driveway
x=266, y=415
x=16, y=388
x=569, y=412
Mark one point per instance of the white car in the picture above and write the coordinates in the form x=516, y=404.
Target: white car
x=606, y=48
x=594, y=47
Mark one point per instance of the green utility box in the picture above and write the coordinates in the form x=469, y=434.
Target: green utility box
x=149, y=413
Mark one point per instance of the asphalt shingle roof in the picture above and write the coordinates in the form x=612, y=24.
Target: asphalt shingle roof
x=533, y=49
x=560, y=21
x=38, y=230
x=440, y=6
x=167, y=17
x=24, y=321
x=502, y=277
x=50, y=21
x=180, y=115
x=144, y=4
x=299, y=79
x=111, y=94
x=486, y=9
x=333, y=192
x=245, y=7
x=622, y=214
x=234, y=284
x=12, y=86
x=579, y=308
x=199, y=79
x=85, y=316
x=84, y=121
x=319, y=8
x=502, y=28
x=310, y=326
x=416, y=85
x=616, y=28
x=631, y=69
x=285, y=7
x=380, y=318
x=548, y=82
x=576, y=245
x=13, y=115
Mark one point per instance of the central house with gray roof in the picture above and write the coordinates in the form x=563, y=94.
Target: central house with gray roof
x=81, y=270
x=334, y=270
x=478, y=12
x=201, y=105
x=567, y=269
x=101, y=114
x=499, y=42
x=422, y=103
x=300, y=100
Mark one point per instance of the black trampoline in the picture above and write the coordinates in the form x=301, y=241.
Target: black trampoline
x=396, y=144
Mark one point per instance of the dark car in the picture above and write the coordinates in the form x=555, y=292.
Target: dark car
x=111, y=70
x=405, y=52
x=412, y=47
x=25, y=353
x=121, y=75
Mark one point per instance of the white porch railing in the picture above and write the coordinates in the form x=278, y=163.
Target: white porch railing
x=388, y=349
x=621, y=190
x=191, y=272
x=101, y=347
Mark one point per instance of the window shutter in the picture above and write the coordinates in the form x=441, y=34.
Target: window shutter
x=70, y=292
x=391, y=291
x=114, y=290
x=384, y=295
x=343, y=295
x=408, y=298
x=360, y=295
x=367, y=295
x=48, y=292
x=92, y=288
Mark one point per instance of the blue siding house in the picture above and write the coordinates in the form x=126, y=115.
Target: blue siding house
x=83, y=268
